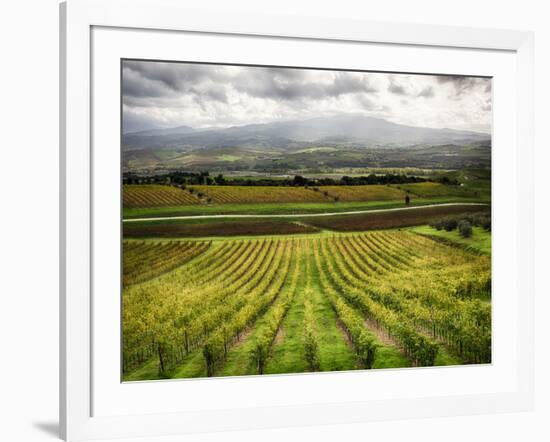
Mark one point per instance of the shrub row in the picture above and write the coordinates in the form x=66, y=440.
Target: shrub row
x=463, y=223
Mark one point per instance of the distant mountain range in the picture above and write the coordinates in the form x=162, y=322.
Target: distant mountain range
x=347, y=130
x=180, y=130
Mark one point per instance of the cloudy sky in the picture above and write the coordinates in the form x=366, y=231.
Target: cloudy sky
x=162, y=95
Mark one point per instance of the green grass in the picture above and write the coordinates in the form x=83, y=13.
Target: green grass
x=193, y=367
x=288, y=356
x=284, y=208
x=480, y=240
x=149, y=370
x=444, y=358
x=334, y=353
x=389, y=357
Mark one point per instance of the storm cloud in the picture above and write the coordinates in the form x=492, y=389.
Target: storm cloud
x=169, y=94
x=463, y=85
x=396, y=88
x=427, y=92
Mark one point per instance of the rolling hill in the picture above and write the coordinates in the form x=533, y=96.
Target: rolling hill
x=346, y=140
x=346, y=129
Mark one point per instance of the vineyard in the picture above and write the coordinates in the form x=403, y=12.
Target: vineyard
x=372, y=192
x=272, y=194
x=155, y=195
x=258, y=194
x=285, y=305
x=431, y=190
x=145, y=260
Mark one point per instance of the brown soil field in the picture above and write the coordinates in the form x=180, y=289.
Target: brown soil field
x=227, y=228
x=391, y=219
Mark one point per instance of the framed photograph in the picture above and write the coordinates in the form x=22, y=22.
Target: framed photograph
x=286, y=221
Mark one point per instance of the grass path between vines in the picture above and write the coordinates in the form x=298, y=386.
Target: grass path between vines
x=239, y=360
x=288, y=353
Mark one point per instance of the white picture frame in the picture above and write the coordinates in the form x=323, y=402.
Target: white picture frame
x=79, y=378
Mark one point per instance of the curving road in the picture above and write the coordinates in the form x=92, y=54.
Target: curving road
x=296, y=215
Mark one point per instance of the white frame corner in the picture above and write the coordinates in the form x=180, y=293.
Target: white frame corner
x=77, y=17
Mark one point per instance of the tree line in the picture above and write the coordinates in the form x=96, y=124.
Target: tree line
x=204, y=178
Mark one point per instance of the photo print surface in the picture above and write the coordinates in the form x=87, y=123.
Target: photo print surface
x=292, y=220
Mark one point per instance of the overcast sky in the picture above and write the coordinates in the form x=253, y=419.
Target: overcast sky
x=174, y=94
